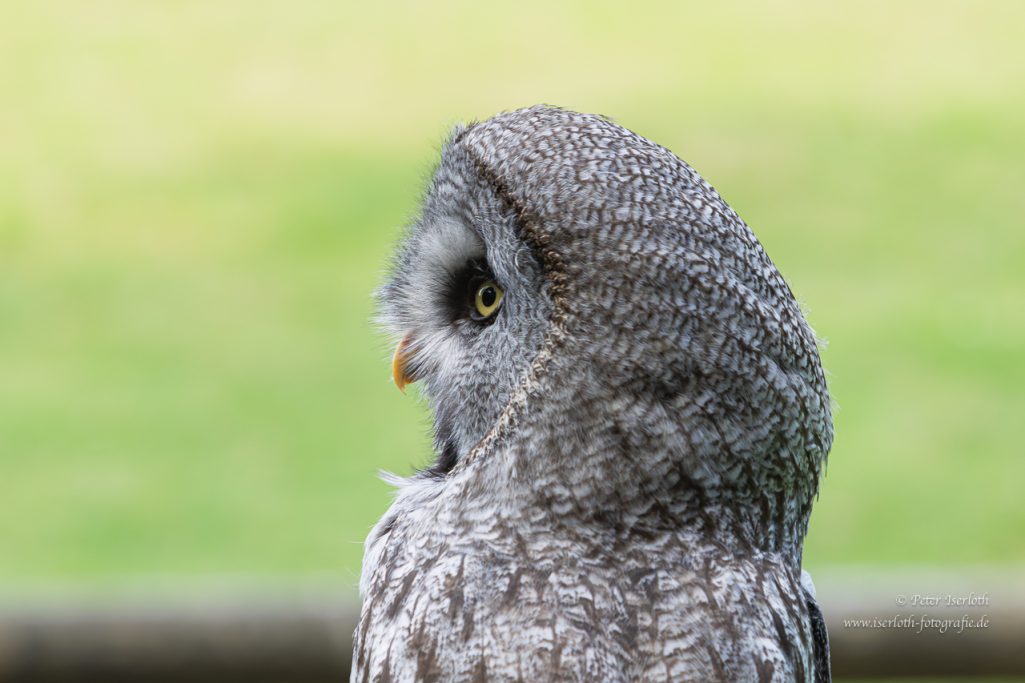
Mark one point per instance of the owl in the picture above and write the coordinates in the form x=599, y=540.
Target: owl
x=630, y=420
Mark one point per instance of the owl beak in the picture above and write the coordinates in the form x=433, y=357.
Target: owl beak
x=399, y=363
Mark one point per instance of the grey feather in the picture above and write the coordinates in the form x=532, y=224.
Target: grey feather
x=628, y=453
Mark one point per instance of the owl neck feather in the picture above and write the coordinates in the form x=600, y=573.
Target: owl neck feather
x=628, y=469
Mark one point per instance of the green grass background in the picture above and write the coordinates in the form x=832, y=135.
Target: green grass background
x=197, y=198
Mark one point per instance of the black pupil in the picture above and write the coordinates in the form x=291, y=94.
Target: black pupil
x=488, y=295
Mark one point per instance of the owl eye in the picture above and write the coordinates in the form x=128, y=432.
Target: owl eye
x=486, y=300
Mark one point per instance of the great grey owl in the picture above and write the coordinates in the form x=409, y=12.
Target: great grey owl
x=630, y=418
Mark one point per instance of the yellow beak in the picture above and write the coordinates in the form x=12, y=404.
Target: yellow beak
x=399, y=365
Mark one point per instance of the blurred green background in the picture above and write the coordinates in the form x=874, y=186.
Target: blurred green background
x=197, y=198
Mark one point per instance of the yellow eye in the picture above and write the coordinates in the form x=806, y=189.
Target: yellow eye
x=488, y=299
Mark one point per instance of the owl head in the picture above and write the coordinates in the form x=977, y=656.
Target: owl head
x=578, y=290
